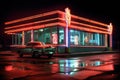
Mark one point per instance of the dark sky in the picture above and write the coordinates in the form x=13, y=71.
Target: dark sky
x=105, y=11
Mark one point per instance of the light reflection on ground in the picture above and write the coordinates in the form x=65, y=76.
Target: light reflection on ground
x=95, y=64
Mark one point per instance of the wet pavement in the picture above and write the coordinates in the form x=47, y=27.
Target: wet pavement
x=89, y=67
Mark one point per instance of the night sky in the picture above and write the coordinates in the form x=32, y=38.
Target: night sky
x=105, y=11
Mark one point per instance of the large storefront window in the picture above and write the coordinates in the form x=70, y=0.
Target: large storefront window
x=74, y=37
x=27, y=36
x=35, y=33
x=83, y=38
x=48, y=35
x=17, y=39
x=14, y=39
x=61, y=35
x=54, y=35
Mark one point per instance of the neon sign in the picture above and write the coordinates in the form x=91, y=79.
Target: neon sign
x=67, y=16
x=54, y=38
x=110, y=28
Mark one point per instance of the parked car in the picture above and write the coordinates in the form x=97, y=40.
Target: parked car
x=36, y=49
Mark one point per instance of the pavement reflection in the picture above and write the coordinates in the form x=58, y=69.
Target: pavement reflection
x=91, y=67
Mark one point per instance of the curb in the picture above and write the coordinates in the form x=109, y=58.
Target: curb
x=84, y=54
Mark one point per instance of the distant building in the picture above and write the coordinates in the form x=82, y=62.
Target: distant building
x=61, y=29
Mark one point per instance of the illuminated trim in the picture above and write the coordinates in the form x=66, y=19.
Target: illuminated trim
x=88, y=25
x=54, y=12
x=84, y=29
x=54, y=24
x=110, y=28
x=56, y=19
x=89, y=20
x=106, y=39
x=30, y=28
x=31, y=23
x=31, y=17
x=68, y=21
x=85, y=19
x=67, y=16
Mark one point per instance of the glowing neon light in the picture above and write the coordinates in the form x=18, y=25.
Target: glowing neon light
x=67, y=16
x=26, y=24
x=68, y=20
x=54, y=24
x=55, y=38
x=85, y=19
x=110, y=28
x=31, y=27
x=84, y=29
x=31, y=17
x=54, y=12
x=91, y=26
x=56, y=19
x=9, y=68
x=32, y=36
x=89, y=20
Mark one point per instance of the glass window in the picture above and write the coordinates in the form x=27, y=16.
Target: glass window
x=54, y=35
x=47, y=36
x=27, y=36
x=13, y=39
x=61, y=35
x=74, y=37
x=102, y=40
x=41, y=35
x=83, y=38
x=35, y=35
x=19, y=38
x=77, y=37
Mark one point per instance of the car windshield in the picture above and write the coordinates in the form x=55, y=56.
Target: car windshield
x=35, y=43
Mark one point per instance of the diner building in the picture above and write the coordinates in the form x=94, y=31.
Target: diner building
x=66, y=31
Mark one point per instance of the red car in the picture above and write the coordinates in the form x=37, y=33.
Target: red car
x=36, y=49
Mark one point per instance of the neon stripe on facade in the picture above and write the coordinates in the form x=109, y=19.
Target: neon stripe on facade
x=85, y=19
x=54, y=24
x=31, y=23
x=71, y=22
x=31, y=27
x=54, y=12
x=84, y=29
x=88, y=25
x=89, y=20
x=31, y=17
x=55, y=19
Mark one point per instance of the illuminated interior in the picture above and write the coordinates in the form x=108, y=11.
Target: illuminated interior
x=50, y=28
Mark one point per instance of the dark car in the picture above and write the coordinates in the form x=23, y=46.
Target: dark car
x=36, y=49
